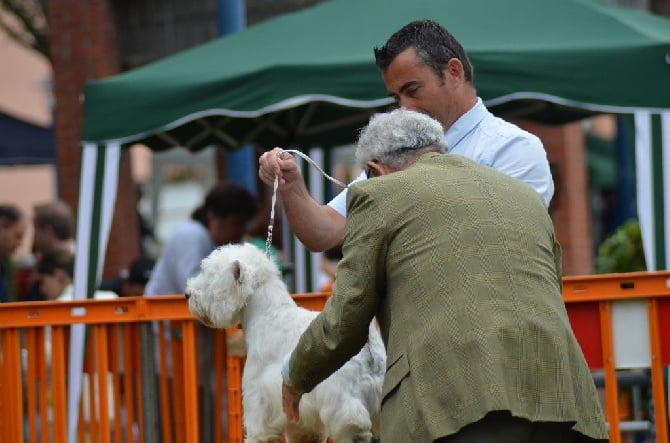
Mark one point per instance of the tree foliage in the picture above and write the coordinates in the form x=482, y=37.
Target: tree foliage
x=25, y=21
x=622, y=251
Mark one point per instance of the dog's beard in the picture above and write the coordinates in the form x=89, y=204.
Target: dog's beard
x=212, y=316
x=204, y=319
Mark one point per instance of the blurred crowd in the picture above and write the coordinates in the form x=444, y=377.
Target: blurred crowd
x=228, y=213
x=48, y=272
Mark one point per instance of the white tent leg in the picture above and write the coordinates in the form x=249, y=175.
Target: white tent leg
x=97, y=196
x=644, y=184
x=652, y=145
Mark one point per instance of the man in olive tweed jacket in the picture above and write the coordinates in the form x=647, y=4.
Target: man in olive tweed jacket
x=460, y=265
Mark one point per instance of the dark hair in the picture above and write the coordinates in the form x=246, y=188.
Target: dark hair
x=140, y=270
x=57, y=258
x=224, y=199
x=434, y=46
x=10, y=215
x=58, y=215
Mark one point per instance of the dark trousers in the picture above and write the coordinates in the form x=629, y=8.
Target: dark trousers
x=501, y=427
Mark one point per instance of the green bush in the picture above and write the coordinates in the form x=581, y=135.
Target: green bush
x=622, y=251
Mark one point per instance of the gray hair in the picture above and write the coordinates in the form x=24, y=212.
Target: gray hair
x=393, y=138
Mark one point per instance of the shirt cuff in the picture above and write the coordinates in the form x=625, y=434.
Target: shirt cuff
x=285, y=368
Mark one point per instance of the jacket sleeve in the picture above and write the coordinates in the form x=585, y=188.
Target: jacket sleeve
x=341, y=329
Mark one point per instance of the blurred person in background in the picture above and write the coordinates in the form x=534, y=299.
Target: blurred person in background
x=54, y=227
x=131, y=282
x=55, y=273
x=222, y=218
x=12, y=229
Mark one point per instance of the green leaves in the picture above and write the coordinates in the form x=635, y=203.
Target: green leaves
x=622, y=251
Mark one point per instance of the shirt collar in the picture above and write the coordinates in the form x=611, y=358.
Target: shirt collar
x=465, y=124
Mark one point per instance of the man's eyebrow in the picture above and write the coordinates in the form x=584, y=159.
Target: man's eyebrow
x=408, y=85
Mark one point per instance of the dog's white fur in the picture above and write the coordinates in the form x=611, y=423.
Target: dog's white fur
x=239, y=284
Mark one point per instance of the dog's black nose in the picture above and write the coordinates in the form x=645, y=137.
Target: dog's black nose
x=187, y=296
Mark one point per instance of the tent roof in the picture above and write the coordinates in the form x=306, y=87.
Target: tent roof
x=310, y=77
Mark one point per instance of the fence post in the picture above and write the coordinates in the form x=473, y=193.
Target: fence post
x=150, y=410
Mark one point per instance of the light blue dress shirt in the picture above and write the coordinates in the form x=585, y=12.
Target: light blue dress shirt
x=491, y=141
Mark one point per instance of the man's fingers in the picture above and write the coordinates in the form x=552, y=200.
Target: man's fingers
x=268, y=166
x=277, y=162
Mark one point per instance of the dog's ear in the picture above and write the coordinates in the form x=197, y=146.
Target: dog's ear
x=237, y=271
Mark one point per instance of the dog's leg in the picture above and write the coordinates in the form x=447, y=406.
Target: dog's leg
x=266, y=436
x=298, y=434
x=350, y=424
x=255, y=440
x=353, y=435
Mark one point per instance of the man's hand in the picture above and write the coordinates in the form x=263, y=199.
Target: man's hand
x=290, y=403
x=277, y=162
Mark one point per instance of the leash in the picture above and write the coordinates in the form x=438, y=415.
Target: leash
x=313, y=163
x=268, y=241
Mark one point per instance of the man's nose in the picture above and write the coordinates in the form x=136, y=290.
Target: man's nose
x=405, y=103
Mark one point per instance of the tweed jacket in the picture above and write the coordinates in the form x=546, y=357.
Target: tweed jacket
x=461, y=267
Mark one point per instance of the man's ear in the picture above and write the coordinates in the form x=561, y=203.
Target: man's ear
x=377, y=169
x=454, y=68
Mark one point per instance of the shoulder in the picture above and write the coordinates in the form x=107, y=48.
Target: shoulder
x=189, y=232
x=507, y=132
x=189, y=227
x=377, y=188
x=360, y=195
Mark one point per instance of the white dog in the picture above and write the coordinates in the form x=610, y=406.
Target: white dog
x=239, y=284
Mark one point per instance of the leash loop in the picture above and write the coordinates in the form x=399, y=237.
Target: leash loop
x=268, y=241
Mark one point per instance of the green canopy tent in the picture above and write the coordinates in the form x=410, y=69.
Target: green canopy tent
x=299, y=78
x=308, y=79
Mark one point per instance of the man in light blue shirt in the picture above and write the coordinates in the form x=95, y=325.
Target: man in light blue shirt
x=491, y=141
x=425, y=69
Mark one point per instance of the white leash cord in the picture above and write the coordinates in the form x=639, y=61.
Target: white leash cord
x=310, y=161
x=268, y=241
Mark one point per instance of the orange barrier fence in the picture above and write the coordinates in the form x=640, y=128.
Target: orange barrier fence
x=128, y=394
x=151, y=373
x=622, y=322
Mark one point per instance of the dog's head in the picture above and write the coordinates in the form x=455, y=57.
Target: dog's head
x=228, y=276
